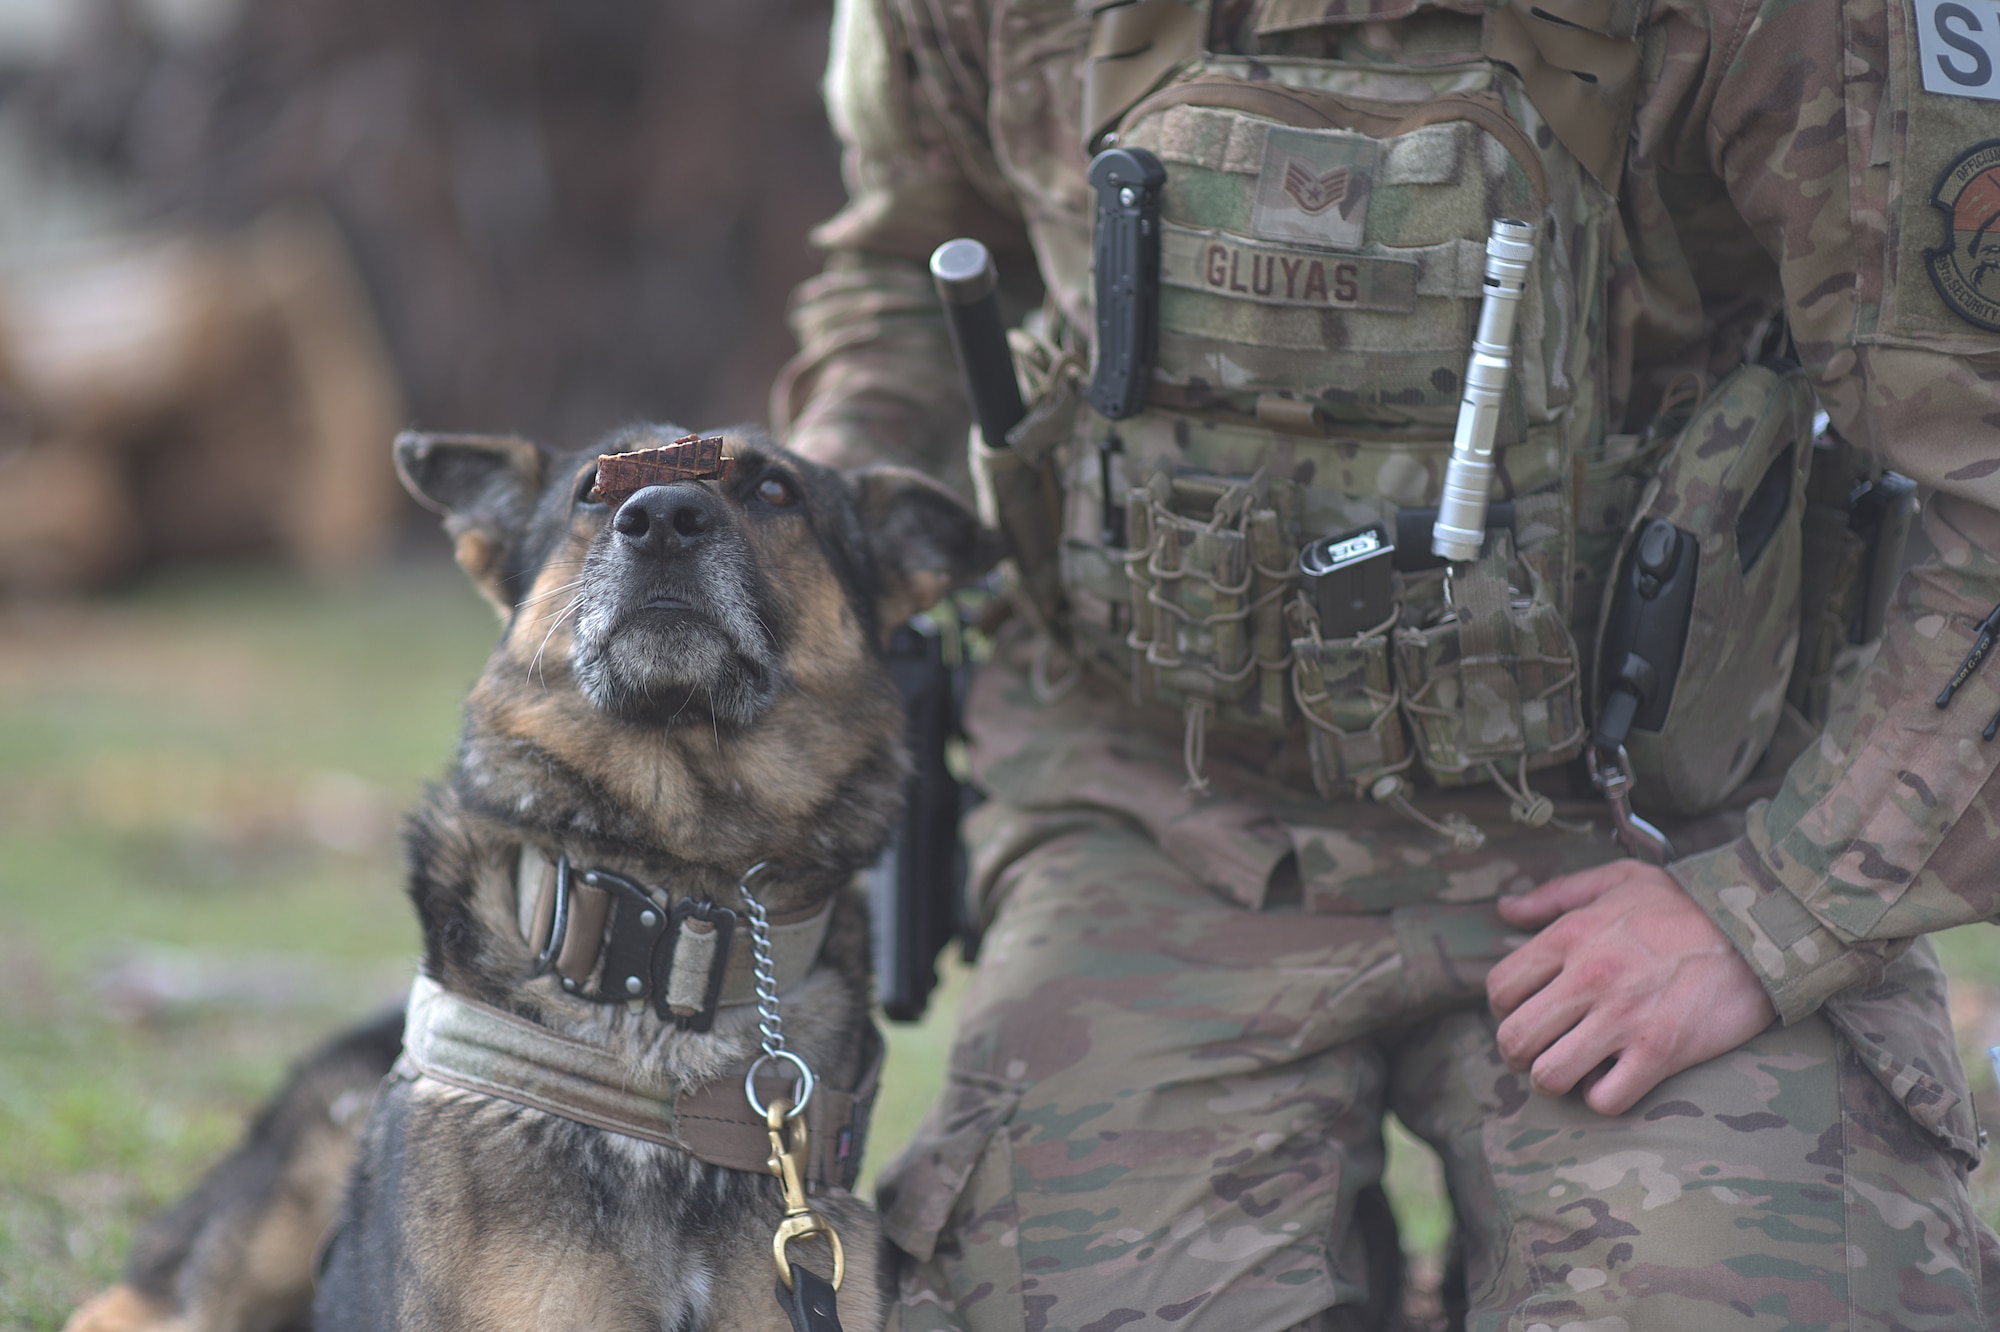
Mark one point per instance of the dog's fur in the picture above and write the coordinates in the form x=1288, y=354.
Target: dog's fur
x=675, y=697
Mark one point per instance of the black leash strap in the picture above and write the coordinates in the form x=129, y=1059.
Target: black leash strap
x=809, y=1303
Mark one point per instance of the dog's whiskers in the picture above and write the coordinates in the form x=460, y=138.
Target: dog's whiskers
x=573, y=561
x=561, y=615
x=552, y=593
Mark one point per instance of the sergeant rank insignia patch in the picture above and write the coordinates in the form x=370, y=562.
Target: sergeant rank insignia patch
x=1966, y=268
x=1313, y=187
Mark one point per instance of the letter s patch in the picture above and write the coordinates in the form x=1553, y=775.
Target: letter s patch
x=1958, y=47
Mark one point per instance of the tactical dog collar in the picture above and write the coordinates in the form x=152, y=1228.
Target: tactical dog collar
x=613, y=940
x=478, y=1048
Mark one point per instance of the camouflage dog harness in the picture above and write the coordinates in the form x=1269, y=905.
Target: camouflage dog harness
x=473, y=1046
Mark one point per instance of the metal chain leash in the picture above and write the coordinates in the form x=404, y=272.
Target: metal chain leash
x=770, y=1024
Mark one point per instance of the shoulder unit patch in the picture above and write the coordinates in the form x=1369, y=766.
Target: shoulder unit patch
x=1966, y=268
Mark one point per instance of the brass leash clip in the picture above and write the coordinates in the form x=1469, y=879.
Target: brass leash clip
x=788, y=1163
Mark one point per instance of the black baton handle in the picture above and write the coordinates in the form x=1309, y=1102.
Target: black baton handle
x=969, y=287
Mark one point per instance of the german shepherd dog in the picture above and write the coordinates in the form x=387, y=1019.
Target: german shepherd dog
x=690, y=682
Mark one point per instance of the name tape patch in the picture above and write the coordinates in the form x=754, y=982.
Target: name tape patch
x=1271, y=275
x=1958, y=47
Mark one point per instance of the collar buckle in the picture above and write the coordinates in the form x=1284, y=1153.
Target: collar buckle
x=691, y=962
x=643, y=950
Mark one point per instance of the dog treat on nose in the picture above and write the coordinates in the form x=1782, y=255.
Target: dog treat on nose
x=689, y=458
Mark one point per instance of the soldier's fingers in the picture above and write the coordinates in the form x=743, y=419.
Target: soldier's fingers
x=1540, y=1023
x=1542, y=904
x=1591, y=1079
x=1692, y=1020
x=1522, y=973
x=1581, y=1049
x=1637, y=1072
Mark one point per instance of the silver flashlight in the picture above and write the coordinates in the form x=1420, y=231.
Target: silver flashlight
x=1468, y=478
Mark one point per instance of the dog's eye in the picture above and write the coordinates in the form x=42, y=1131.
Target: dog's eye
x=777, y=492
x=585, y=484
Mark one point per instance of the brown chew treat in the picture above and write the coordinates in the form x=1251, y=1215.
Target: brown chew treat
x=690, y=458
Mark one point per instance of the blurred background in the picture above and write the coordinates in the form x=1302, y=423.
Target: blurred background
x=242, y=242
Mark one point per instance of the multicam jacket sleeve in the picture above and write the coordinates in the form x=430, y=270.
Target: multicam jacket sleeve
x=1789, y=154
x=1816, y=123
x=874, y=379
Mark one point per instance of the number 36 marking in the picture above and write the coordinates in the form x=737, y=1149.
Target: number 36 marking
x=1958, y=46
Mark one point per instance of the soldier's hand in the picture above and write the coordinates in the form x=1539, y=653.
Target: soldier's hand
x=1626, y=968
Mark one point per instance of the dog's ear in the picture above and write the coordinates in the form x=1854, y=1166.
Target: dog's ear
x=925, y=540
x=485, y=486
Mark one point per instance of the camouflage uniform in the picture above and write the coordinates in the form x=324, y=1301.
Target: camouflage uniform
x=1193, y=1007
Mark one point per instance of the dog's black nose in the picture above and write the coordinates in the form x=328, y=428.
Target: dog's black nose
x=662, y=519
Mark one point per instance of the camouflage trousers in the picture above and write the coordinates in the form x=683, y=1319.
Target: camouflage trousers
x=1161, y=1109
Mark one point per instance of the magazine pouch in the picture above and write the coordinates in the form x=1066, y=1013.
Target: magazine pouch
x=1489, y=673
x=1347, y=696
x=1207, y=566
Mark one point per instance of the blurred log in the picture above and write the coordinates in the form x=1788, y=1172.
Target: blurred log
x=564, y=215
x=193, y=395
x=559, y=217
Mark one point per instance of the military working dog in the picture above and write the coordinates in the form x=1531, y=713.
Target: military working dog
x=682, y=749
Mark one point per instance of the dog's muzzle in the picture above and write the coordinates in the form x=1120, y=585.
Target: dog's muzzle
x=675, y=622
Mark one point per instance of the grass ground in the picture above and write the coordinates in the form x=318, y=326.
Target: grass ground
x=199, y=790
